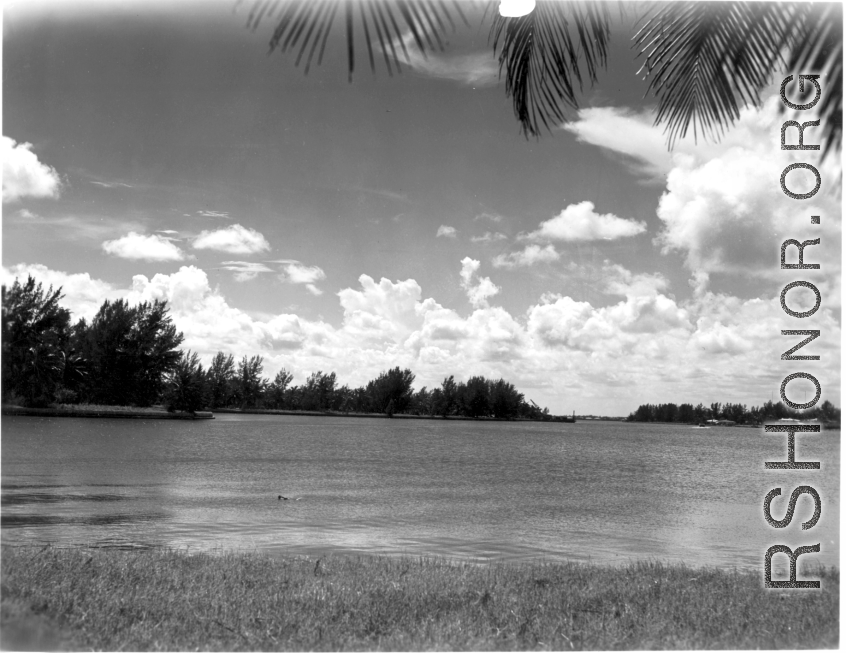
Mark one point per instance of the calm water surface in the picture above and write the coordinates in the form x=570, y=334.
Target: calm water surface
x=602, y=491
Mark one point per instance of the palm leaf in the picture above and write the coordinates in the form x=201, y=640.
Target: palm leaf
x=543, y=55
x=307, y=23
x=818, y=48
x=705, y=59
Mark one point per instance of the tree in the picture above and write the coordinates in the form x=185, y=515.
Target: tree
x=319, y=391
x=422, y=402
x=34, y=331
x=476, y=397
x=185, y=385
x=446, y=400
x=276, y=390
x=716, y=410
x=36, y=334
x=129, y=350
x=392, y=388
x=505, y=399
x=703, y=59
x=685, y=414
x=249, y=384
x=220, y=379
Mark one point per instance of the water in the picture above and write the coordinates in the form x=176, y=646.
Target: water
x=602, y=491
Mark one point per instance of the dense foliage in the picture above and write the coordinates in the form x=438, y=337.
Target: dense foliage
x=130, y=356
x=124, y=357
x=129, y=350
x=738, y=413
x=391, y=392
x=36, y=342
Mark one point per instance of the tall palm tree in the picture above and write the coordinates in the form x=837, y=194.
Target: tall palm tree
x=703, y=60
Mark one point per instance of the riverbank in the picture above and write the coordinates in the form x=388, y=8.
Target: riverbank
x=110, y=599
x=88, y=410
x=91, y=410
x=339, y=413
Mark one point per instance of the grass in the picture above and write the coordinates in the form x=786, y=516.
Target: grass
x=168, y=600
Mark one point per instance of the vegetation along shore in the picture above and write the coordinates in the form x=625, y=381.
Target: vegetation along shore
x=158, y=599
x=130, y=356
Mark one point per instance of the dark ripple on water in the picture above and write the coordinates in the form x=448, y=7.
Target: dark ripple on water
x=23, y=498
x=24, y=521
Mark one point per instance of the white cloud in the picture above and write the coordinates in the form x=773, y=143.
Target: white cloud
x=76, y=227
x=479, y=292
x=617, y=280
x=111, y=184
x=446, y=231
x=234, y=239
x=245, y=270
x=723, y=208
x=489, y=237
x=561, y=352
x=644, y=145
x=213, y=214
x=140, y=247
x=24, y=175
x=579, y=222
x=297, y=273
x=475, y=69
x=83, y=295
x=530, y=255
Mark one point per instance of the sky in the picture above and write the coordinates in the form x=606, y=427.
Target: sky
x=158, y=151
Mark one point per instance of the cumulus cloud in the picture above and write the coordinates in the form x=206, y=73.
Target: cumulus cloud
x=143, y=247
x=617, y=280
x=477, y=290
x=530, y=255
x=580, y=222
x=562, y=352
x=234, y=239
x=722, y=208
x=489, y=237
x=83, y=295
x=24, y=175
x=446, y=231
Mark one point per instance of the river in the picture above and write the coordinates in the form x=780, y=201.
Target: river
x=608, y=492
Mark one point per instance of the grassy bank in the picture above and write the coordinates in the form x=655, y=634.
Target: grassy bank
x=165, y=600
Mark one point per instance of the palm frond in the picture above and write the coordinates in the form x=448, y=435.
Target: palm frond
x=705, y=59
x=543, y=55
x=307, y=23
x=819, y=49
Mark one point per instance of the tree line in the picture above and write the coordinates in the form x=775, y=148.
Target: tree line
x=738, y=413
x=130, y=355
